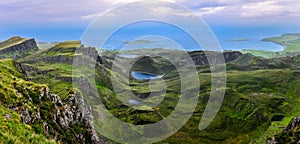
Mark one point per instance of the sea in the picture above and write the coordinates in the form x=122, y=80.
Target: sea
x=230, y=37
x=153, y=35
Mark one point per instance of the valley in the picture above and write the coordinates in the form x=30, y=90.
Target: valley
x=39, y=98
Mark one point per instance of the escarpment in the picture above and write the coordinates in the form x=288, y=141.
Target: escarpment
x=16, y=46
x=58, y=62
x=55, y=93
x=65, y=52
x=201, y=58
x=65, y=120
x=62, y=116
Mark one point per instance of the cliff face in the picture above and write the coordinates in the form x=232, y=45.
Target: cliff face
x=295, y=123
x=16, y=45
x=66, y=120
x=67, y=114
x=67, y=53
x=200, y=58
x=63, y=120
x=60, y=117
x=290, y=134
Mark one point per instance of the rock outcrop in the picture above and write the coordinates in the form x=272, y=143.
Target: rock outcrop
x=63, y=119
x=295, y=123
x=200, y=57
x=290, y=134
x=68, y=55
x=65, y=115
x=66, y=120
x=16, y=45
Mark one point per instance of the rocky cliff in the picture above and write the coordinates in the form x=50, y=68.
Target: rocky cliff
x=66, y=114
x=65, y=52
x=159, y=65
x=200, y=57
x=66, y=120
x=15, y=46
x=61, y=117
x=290, y=134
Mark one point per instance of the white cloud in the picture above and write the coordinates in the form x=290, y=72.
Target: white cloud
x=210, y=10
x=254, y=12
x=114, y=2
x=87, y=10
x=262, y=9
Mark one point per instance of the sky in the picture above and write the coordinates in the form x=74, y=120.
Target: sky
x=51, y=20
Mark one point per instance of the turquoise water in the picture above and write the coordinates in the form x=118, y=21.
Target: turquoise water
x=144, y=76
x=229, y=37
x=224, y=34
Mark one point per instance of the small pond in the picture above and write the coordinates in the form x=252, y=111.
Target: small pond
x=134, y=102
x=144, y=76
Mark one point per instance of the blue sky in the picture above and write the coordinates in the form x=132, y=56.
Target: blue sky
x=50, y=20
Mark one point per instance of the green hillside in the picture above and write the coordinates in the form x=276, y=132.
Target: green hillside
x=12, y=129
x=38, y=98
x=261, y=53
x=291, y=43
x=261, y=98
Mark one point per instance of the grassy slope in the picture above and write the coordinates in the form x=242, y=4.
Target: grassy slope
x=16, y=92
x=252, y=99
x=261, y=53
x=58, y=74
x=12, y=129
x=255, y=100
x=248, y=108
x=291, y=43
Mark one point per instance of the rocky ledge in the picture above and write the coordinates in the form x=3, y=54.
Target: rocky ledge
x=290, y=134
x=63, y=120
x=17, y=45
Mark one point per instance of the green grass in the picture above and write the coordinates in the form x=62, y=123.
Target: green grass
x=14, y=90
x=261, y=53
x=247, y=109
x=68, y=44
x=17, y=93
x=253, y=97
x=57, y=75
x=291, y=42
x=12, y=130
x=293, y=46
x=285, y=38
